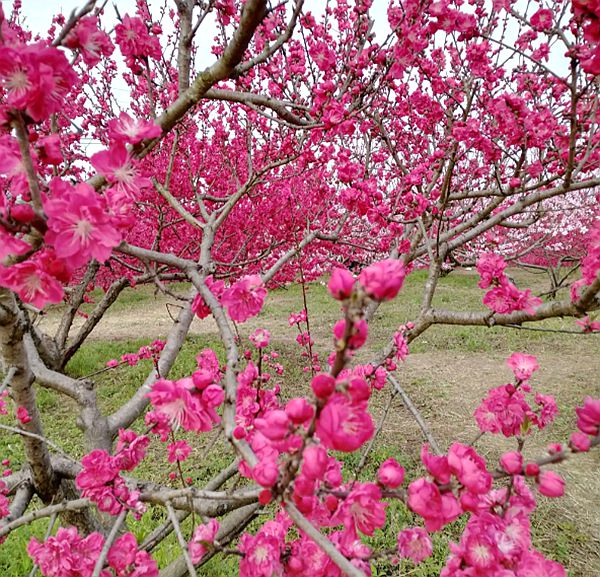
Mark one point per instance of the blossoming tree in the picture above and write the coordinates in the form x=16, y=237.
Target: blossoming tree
x=307, y=141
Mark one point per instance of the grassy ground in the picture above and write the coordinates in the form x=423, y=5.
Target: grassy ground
x=448, y=372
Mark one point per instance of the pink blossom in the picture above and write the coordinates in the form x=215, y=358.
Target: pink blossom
x=414, y=544
x=178, y=451
x=344, y=425
x=261, y=338
x=490, y=267
x=550, y=484
x=203, y=537
x=182, y=407
x=135, y=41
x=261, y=555
x=127, y=560
x=533, y=564
x=390, y=474
x=437, y=509
x=401, y=345
x=37, y=78
x=588, y=326
x=10, y=244
x=522, y=365
x=130, y=449
x=23, y=416
x=275, y=425
x=437, y=465
x=118, y=168
x=542, y=20
x=92, y=42
x=341, y=284
x=507, y=298
x=66, y=554
x=588, y=416
x=383, y=280
x=48, y=149
x=362, y=509
x=32, y=282
x=547, y=412
x=79, y=226
x=502, y=412
x=469, y=468
x=245, y=298
x=132, y=131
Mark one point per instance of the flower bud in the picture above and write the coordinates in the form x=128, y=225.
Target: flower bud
x=299, y=410
x=323, y=385
x=550, y=484
x=512, y=462
x=341, y=284
x=390, y=474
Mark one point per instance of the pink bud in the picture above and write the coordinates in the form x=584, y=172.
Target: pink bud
x=304, y=486
x=341, y=284
x=239, y=432
x=299, y=410
x=390, y=474
x=275, y=425
x=512, y=462
x=550, y=484
x=532, y=469
x=264, y=497
x=213, y=395
x=580, y=442
x=202, y=378
x=265, y=473
x=323, y=386
x=383, y=280
x=314, y=461
x=331, y=502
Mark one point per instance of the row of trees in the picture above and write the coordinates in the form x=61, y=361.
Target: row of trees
x=467, y=135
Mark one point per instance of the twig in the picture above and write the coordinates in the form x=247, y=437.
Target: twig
x=8, y=378
x=17, y=431
x=108, y=543
x=75, y=505
x=416, y=414
x=322, y=541
x=182, y=541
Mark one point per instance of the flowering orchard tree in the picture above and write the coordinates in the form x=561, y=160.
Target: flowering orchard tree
x=305, y=140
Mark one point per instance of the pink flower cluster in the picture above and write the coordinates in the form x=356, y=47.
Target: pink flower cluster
x=505, y=297
x=245, y=298
x=36, y=77
x=136, y=41
x=150, y=351
x=92, y=42
x=189, y=403
x=68, y=555
x=589, y=14
x=100, y=479
x=494, y=544
x=506, y=410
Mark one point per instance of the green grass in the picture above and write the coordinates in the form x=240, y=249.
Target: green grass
x=558, y=537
